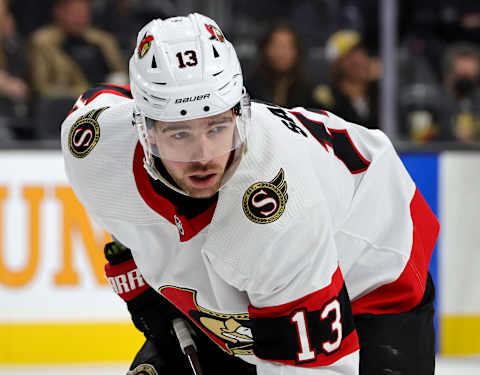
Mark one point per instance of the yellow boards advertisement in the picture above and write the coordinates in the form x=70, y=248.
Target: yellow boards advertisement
x=55, y=304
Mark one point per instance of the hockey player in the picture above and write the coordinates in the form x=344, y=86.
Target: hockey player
x=287, y=239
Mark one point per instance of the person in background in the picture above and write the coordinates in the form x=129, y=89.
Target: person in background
x=353, y=92
x=461, y=68
x=123, y=18
x=421, y=113
x=14, y=90
x=29, y=16
x=449, y=111
x=451, y=22
x=278, y=76
x=70, y=54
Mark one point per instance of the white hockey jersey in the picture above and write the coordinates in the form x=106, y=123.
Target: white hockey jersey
x=315, y=205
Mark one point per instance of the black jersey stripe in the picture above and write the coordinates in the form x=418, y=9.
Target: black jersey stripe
x=93, y=92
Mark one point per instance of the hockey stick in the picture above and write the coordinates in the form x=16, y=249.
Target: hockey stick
x=187, y=344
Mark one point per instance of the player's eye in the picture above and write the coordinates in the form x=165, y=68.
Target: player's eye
x=180, y=135
x=217, y=129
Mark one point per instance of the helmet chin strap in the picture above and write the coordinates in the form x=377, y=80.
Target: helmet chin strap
x=153, y=172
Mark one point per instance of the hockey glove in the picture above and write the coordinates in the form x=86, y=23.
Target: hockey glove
x=151, y=313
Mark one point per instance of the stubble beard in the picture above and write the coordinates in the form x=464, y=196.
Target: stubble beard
x=200, y=193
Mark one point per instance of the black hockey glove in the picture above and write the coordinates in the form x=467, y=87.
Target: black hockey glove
x=151, y=313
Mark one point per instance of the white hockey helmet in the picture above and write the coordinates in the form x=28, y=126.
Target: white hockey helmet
x=183, y=68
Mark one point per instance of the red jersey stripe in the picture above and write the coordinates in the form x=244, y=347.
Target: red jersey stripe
x=312, y=301
x=407, y=291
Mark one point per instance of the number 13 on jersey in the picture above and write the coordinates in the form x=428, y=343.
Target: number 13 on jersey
x=312, y=331
x=306, y=352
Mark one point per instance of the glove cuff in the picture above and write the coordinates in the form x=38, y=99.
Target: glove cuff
x=125, y=279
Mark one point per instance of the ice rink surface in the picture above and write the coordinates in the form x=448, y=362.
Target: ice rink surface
x=445, y=366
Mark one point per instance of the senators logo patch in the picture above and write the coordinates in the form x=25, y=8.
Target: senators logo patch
x=144, y=46
x=215, y=33
x=231, y=332
x=85, y=133
x=264, y=202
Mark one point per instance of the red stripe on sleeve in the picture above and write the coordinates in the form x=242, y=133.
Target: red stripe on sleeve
x=407, y=291
x=312, y=301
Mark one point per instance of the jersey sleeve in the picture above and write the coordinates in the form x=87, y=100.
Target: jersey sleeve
x=98, y=140
x=299, y=306
x=299, y=309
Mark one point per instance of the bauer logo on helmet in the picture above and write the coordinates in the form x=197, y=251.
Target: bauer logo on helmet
x=192, y=98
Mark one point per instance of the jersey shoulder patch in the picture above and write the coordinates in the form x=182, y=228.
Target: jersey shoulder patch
x=85, y=133
x=265, y=201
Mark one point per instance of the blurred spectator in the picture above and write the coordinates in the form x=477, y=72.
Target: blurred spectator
x=278, y=76
x=31, y=14
x=462, y=88
x=450, y=112
x=433, y=31
x=70, y=55
x=123, y=18
x=314, y=20
x=13, y=88
x=421, y=113
x=353, y=92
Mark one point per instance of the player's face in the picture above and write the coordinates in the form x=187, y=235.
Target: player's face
x=74, y=16
x=282, y=51
x=205, y=143
x=356, y=65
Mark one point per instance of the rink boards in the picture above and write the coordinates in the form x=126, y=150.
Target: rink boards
x=56, y=306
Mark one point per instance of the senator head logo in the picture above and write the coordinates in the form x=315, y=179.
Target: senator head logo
x=264, y=202
x=230, y=332
x=144, y=46
x=215, y=32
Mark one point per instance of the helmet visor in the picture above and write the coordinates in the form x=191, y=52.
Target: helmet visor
x=201, y=139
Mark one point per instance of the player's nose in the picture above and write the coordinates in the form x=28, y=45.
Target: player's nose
x=202, y=150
